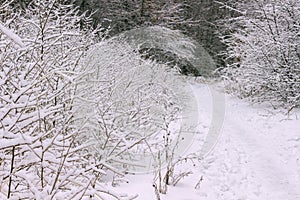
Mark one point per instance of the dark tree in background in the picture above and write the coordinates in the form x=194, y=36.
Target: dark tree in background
x=201, y=22
x=196, y=18
x=199, y=19
x=124, y=15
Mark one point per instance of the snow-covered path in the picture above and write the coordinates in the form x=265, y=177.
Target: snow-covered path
x=257, y=156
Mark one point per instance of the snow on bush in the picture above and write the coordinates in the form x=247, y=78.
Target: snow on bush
x=263, y=50
x=171, y=41
x=39, y=154
x=126, y=105
x=64, y=120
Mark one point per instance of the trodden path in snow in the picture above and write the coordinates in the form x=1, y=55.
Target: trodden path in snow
x=256, y=157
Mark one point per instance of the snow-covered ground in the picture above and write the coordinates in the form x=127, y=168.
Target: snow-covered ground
x=257, y=156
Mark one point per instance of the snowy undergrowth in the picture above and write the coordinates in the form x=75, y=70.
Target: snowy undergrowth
x=40, y=157
x=65, y=123
x=129, y=108
x=263, y=52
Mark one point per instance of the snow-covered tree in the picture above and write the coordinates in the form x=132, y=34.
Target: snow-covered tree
x=172, y=48
x=263, y=51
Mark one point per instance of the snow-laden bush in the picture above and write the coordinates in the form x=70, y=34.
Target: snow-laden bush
x=39, y=154
x=263, y=52
x=126, y=105
x=64, y=120
x=169, y=41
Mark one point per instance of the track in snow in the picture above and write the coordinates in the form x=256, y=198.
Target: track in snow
x=256, y=157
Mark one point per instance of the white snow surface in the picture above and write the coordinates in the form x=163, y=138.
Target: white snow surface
x=257, y=156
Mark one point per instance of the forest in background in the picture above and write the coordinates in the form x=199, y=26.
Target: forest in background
x=198, y=19
x=256, y=42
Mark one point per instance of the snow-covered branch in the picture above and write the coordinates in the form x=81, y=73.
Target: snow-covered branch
x=10, y=34
x=263, y=53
